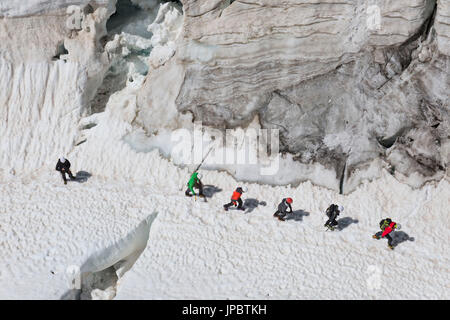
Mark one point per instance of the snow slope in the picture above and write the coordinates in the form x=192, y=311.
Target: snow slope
x=195, y=250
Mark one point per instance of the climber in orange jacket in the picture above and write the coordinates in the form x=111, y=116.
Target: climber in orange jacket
x=236, y=199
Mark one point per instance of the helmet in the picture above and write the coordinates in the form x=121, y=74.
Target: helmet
x=244, y=189
x=398, y=226
x=62, y=159
x=341, y=208
x=289, y=200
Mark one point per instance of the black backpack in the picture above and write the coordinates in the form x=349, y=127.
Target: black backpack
x=386, y=221
x=331, y=209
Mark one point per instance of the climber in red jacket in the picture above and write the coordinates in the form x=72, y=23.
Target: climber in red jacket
x=387, y=226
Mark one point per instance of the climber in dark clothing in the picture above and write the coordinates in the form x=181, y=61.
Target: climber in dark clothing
x=283, y=209
x=63, y=166
x=332, y=213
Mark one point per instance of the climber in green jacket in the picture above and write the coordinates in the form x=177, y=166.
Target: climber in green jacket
x=194, y=182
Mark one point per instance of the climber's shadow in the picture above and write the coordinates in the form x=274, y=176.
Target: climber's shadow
x=297, y=215
x=82, y=176
x=251, y=204
x=399, y=237
x=209, y=190
x=345, y=222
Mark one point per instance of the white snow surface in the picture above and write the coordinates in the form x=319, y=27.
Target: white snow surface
x=196, y=250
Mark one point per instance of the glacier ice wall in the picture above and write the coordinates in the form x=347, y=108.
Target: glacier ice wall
x=346, y=83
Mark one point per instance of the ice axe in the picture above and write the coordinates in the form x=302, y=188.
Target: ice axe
x=203, y=160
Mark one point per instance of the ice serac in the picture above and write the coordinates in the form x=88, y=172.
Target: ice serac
x=345, y=82
x=100, y=273
x=51, y=64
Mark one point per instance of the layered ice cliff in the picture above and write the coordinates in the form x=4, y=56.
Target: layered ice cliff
x=346, y=83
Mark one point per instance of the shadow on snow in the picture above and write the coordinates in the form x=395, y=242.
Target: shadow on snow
x=82, y=176
x=210, y=190
x=251, y=204
x=345, y=222
x=297, y=215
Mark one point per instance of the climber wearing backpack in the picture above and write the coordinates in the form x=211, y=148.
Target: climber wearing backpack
x=194, y=182
x=387, y=226
x=236, y=199
x=63, y=166
x=332, y=213
x=283, y=209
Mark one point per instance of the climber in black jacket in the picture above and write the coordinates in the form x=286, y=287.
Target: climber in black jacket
x=63, y=166
x=332, y=213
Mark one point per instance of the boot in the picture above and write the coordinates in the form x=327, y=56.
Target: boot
x=225, y=207
x=390, y=246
